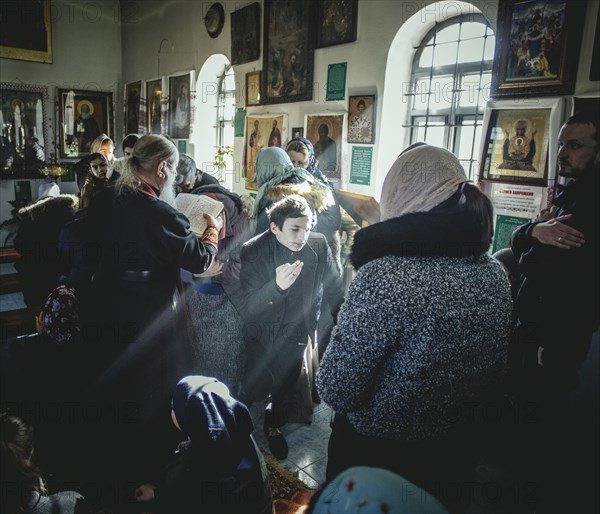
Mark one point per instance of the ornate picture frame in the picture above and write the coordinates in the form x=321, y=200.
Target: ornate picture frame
x=133, y=96
x=25, y=142
x=520, y=141
x=537, y=47
x=361, y=119
x=325, y=132
x=245, y=34
x=339, y=22
x=83, y=115
x=253, y=84
x=26, y=33
x=288, y=56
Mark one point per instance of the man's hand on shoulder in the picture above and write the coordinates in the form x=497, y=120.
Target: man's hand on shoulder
x=555, y=233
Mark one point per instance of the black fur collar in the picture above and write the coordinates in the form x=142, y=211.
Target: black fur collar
x=421, y=234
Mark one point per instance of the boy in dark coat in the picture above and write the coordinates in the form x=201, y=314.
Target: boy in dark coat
x=285, y=272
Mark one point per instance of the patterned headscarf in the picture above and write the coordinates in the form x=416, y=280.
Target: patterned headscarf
x=60, y=315
x=273, y=167
x=422, y=177
x=374, y=491
x=313, y=164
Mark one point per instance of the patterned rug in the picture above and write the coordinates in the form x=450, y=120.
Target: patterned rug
x=283, y=482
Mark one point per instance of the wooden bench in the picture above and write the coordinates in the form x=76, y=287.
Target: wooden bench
x=17, y=322
x=9, y=255
x=10, y=283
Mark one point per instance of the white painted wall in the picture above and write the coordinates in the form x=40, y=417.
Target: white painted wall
x=92, y=47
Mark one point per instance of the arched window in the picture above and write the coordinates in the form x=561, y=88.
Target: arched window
x=450, y=81
x=225, y=107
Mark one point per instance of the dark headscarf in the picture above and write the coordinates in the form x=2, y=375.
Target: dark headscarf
x=313, y=164
x=217, y=424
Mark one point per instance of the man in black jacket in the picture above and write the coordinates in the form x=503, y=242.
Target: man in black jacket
x=557, y=305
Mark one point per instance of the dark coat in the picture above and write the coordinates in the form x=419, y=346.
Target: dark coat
x=134, y=316
x=423, y=332
x=37, y=242
x=278, y=324
x=566, y=281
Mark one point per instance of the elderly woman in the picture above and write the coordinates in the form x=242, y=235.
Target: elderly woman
x=302, y=154
x=422, y=337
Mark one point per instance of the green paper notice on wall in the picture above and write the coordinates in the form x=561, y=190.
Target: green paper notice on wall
x=240, y=122
x=505, y=226
x=360, y=168
x=336, y=81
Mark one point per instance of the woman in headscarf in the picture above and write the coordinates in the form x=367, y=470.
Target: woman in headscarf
x=218, y=469
x=421, y=341
x=302, y=154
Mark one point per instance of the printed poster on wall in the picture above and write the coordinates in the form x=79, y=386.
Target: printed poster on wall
x=514, y=205
x=360, y=168
x=336, y=82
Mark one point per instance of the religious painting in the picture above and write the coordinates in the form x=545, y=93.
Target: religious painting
x=338, y=22
x=288, y=55
x=297, y=132
x=179, y=106
x=325, y=133
x=245, y=34
x=253, y=88
x=361, y=119
x=517, y=146
x=133, y=93
x=24, y=122
x=26, y=32
x=537, y=47
x=261, y=131
x=83, y=116
x=154, y=106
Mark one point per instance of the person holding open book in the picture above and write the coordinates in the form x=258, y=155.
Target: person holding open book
x=135, y=308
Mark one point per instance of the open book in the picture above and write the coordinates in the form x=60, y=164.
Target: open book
x=194, y=206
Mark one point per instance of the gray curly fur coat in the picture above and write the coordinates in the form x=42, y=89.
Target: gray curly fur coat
x=423, y=334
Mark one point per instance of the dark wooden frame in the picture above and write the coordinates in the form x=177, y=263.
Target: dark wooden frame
x=515, y=175
x=104, y=120
x=297, y=132
x=132, y=109
x=336, y=12
x=22, y=26
x=176, y=82
x=245, y=34
x=352, y=137
x=253, y=86
x=566, y=52
x=283, y=46
x=9, y=93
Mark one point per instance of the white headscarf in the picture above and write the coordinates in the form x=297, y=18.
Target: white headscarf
x=48, y=189
x=421, y=178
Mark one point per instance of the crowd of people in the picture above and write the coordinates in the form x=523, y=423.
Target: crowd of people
x=153, y=340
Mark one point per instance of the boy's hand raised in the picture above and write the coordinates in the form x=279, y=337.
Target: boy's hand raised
x=286, y=274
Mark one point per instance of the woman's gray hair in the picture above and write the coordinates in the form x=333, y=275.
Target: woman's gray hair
x=148, y=152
